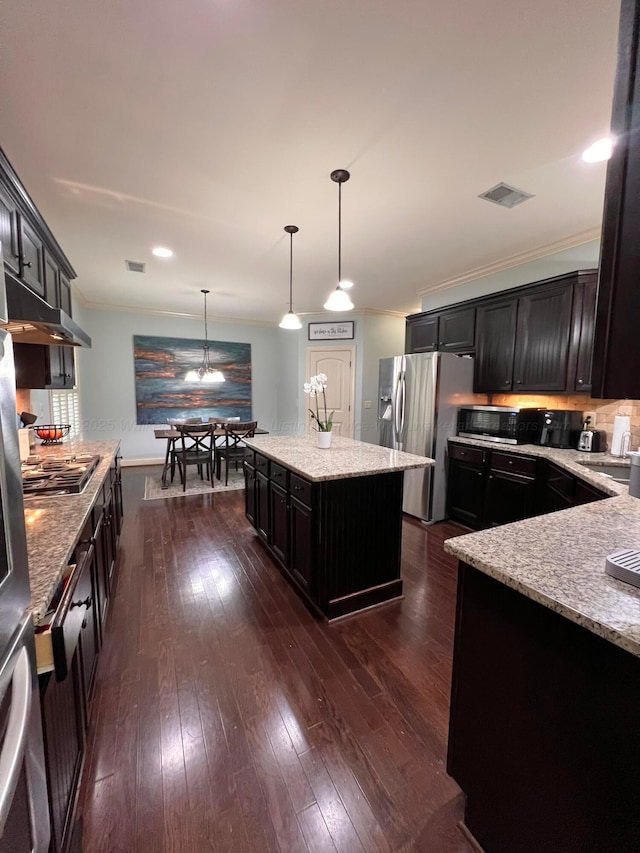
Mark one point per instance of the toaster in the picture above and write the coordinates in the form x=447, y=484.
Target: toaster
x=592, y=441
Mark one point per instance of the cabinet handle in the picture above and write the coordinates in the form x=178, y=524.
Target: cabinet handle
x=86, y=603
x=510, y=461
x=491, y=476
x=297, y=488
x=518, y=381
x=507, y=381
x=26, y=263
x=580, y=381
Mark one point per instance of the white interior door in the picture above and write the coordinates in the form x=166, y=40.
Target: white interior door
x=338, y=364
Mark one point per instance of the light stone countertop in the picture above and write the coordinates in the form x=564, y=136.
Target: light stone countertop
x=558, y=559
x=345, y=458
x=54, y=524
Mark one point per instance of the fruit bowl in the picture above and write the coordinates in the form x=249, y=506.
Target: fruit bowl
x=52, y=433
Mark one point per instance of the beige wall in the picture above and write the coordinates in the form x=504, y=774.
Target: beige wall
x=605, y=410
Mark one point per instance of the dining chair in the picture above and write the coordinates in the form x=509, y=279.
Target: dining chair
x=231, y=449
x=196, y=448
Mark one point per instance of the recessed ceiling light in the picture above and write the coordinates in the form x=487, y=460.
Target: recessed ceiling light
x=599, y=151
x=162, y=252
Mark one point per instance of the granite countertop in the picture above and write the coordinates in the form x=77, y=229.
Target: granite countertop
x=558, y=559
x=53, y=523
x=345, y=458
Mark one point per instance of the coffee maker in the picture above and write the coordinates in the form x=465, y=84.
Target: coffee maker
x=559, y=427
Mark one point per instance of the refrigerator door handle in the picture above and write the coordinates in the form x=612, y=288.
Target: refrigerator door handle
x=403, y=398
x=15, y=737
x=396, y=411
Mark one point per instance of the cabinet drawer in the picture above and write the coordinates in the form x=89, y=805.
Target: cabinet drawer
x=301, y=489
x=464, y=453
x=58, y=631
x=278, y=475
x=262, y=464
x=522, y=465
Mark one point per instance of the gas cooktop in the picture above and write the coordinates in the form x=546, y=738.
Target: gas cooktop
x=66, y=475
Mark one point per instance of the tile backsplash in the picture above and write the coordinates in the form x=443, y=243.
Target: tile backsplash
x=605, y=410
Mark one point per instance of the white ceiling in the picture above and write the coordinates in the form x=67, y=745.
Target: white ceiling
x=208, y=125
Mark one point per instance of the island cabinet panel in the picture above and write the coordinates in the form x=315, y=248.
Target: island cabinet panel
x=543, y=335
x=337, y=541
x=495, y=345
x=543, y=736
x=250, y=492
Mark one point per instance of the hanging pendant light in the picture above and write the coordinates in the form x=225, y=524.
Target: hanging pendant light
x=291, y=319
x=339, y=300
x=205, y=373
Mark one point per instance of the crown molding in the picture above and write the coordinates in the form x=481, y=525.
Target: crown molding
x=514, y=260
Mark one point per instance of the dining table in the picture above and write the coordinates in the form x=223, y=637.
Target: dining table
x=171, y=435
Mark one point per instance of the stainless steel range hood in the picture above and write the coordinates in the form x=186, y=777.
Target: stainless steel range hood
x=33, y=321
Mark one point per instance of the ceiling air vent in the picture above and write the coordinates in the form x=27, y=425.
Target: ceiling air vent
x=135, y=266
x=505, y=196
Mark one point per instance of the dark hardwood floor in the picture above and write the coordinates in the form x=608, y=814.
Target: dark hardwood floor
x=228, y=718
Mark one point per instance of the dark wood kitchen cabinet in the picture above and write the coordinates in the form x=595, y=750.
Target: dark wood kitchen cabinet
x=542, y=339
x=44, y=367
x=585, y=295
x=616, y=363
x=511, y=489
x=250, y=492
x=337, y=568
x=448, y=331
x=9, y=237
x=31, y=257
x=422, y=333
x=466, y=483
x=495, y=345
x=489, y=487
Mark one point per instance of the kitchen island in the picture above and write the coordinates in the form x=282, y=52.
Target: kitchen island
x=544, y=737
x=331, y=519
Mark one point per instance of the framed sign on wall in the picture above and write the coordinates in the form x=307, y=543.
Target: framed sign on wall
x=339, y=331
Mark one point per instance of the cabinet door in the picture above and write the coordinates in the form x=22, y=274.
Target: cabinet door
x=508, y=498
x=457, y=330
x=109, y=535
x=542, y=339
x=118, y=506
x=51, y=281
x=584, y=355
x=465, y=492
x=31, y=258
x=250, y=493
x=262, y=505
x=90, y=637
x=422, y=334
x=279, y=522
x=301, y=542
x=68, y=358
x=495, y=345
x=65, y=294
x=63, y=717
x=55, y=356
x=101, y=571
x=9, y=232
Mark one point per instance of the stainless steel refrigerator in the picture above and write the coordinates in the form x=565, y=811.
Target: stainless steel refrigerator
x=419, y=397
x=24, y=812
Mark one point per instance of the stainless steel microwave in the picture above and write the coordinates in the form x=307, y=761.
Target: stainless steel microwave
x=501, y=424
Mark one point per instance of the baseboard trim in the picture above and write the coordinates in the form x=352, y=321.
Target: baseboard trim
x=132, y=463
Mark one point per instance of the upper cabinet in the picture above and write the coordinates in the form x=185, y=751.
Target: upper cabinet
x=537, y=338
x=616, y=362
x=495, y=345
x=31, y=253
x=447, y=331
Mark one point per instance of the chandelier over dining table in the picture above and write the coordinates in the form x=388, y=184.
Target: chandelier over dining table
x=206, y=373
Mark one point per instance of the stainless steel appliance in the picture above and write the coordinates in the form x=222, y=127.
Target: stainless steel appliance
x=419, y=397
x=66, y=476
x=592, y=440
x=559, y=428
x=502, y=424
x=24, y=814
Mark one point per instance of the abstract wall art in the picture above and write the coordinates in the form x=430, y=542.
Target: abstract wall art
x=161, y=365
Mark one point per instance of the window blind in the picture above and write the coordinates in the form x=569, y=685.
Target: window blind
x=65, y=409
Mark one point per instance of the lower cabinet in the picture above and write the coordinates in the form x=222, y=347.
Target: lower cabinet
x=486, y=488
x=338, y=568
x=67, y=653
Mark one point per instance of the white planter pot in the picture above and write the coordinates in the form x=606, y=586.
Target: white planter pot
x=323, y=439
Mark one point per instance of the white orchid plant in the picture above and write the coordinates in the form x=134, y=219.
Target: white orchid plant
x=314, y=387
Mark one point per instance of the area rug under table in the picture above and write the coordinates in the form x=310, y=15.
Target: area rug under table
x=153, y=490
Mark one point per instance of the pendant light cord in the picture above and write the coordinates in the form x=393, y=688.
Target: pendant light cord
x=291, y=273
x=339, y=233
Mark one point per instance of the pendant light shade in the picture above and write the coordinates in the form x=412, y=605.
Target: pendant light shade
x=206, y=373
x=339, y=299
x=291, y=319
